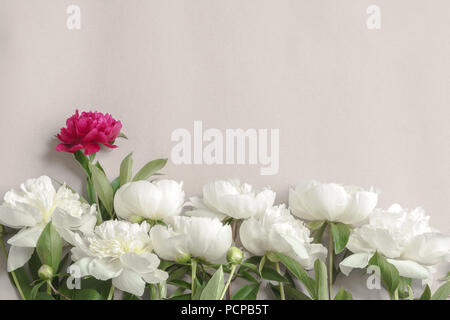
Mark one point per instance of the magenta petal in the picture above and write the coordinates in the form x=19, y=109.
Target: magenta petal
x=112, y=146
x=75, y=148
x=92, y=135
x=90, y=148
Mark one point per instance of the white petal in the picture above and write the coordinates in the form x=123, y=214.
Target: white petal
x=138, y=198
x=357, y=260
x=201, y=210
x=156, y=276
x=361, y=204
x=167, y=245
x=81, y=266
x=18, y=256
x=27, y=237
x=254, y=237
x=16, y=218
x=172, y=198
x=428, y=249
x=141, y=263
x=410, y=269
x=131, y=282
x=104, y=268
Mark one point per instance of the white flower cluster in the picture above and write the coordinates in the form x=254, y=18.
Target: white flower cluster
x=152, y=224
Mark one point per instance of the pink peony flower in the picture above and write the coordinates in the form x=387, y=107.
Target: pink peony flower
x=87, y=131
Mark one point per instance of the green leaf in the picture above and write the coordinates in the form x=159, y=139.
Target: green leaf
x=125, y=169
x=341, y=233
x=35, y=290
x=115, y=184
x=103, y=188
x=293, y=294
x=442, y=293
x=24, y=281
x=90, y=191
x=320, y=271
x=271, y=274
x=261, y=264
x=83, y=161
x=149, y=169
x=180, y=283
x=247, y=292
x=81, y=294
x=214, y=287
x=343, y=295
x=44, y=296
x=181, y=297
x=49, y=247
x=389, y=274
x=426, y=295
x=317, y=234
x=122, y=135
x=247, y=276
x=297, y=270
x=314, y=225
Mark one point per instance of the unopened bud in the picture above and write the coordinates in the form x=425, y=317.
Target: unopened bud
x=234, y=255
x=45, y=272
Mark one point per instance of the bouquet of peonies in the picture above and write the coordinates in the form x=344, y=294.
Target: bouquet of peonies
x=136, y=237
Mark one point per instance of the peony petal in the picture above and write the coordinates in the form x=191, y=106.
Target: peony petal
x=131, y=282
x=156, y=276
x=357, y=260
x=18, y=256
x=90, y=148
x=140, y=263
x=104, y=268
x=410, y=269
x=27, y=237
x=361, y=204
x=16, y=218
x=167, y=245
x=428, y=248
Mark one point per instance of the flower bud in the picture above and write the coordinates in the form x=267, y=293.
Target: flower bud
x=234, y=255
x=184, y=258
x=45, y=272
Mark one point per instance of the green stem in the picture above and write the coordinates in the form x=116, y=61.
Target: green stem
x=193, y=276
x=13, y=274
x=282, y=296
x=111, y=293
x=49, y=289
x=330, y=265
x=396, y=294
x=99, y=213
x=162, y=289
x=233, y=269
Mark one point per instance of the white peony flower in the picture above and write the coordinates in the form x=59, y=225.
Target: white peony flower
x=33, y=207
x=121, y=251
x=230, y=198
x=332, y=202
x=198, y=237
x=404, y=238
x=277, y=230
x=158, y=200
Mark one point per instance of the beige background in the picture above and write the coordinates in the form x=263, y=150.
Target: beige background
x=353, y=105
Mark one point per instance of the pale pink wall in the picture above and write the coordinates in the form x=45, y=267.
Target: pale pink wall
x=353, y=105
